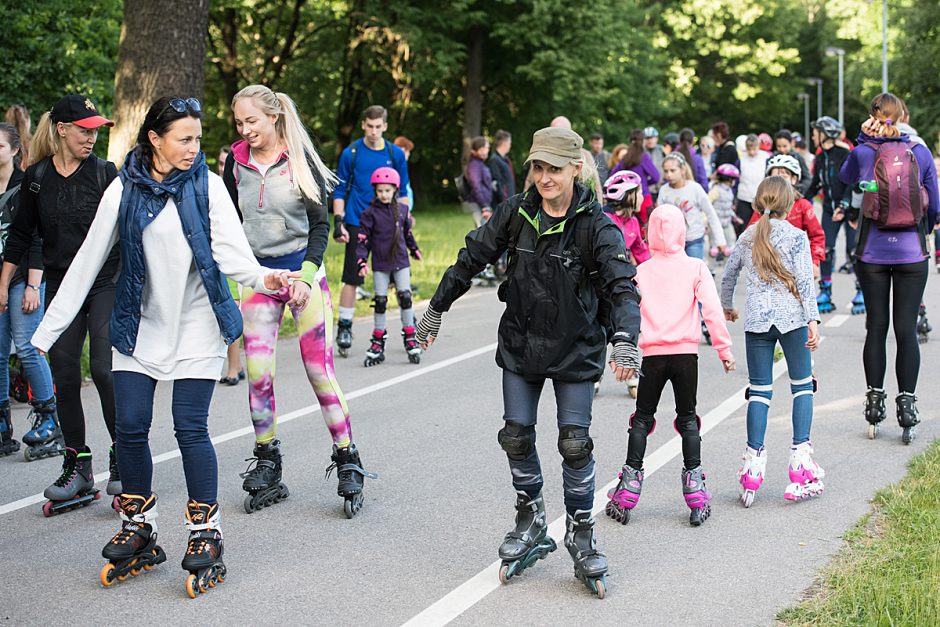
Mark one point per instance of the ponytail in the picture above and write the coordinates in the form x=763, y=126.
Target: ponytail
x=18, y=116
x=775, y=196
x=45, y=142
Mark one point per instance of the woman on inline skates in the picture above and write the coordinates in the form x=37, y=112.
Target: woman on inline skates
x=275, y=177
x=556, y=234
x=173, y=317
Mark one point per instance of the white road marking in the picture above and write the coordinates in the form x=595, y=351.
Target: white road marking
x=837, y=320
x=297, y=413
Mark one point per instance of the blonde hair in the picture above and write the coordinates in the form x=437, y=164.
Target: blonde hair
x=775, y=196
x=588, y=168
x=18, y=116
x=45, y=142
x=290, y=129
x=614, y=159
x=681, y=162
x=887, y=109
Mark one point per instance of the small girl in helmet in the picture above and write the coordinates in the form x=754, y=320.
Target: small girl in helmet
x=385, y=232
x=623, y=202
x=722, y=196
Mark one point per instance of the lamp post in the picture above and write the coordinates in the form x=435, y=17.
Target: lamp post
x=805, y=98
x=818, y=82
x=884, y=47
x=833, y=51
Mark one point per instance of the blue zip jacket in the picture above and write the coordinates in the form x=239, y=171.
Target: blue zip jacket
x=141, y=202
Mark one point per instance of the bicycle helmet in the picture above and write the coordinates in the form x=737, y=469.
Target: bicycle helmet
x=617, y=186
x=388, y=176
x=828, y=126
x=766, y=143
x=649, y=131
x=787, y=162
x=729, y=170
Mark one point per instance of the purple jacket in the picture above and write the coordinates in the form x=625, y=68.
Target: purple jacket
x=649, y=175
x=896, y=246
x=481, y=183
x=698, y=170
x=377, y=231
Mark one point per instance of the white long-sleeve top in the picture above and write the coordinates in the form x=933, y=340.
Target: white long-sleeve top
x=692, y=200
x=178, y=337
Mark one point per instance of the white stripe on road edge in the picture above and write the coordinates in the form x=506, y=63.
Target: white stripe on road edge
x=297, y=413
x=837, y=320
x=467, y=594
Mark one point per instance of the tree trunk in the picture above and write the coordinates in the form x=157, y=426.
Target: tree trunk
x=473, y=91
x=228, y=68
x=162, y=52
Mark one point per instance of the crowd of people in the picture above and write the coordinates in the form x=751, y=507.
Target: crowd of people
x=165, y=265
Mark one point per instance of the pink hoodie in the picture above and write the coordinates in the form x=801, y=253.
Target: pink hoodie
x=672, y=284
x=632, y=236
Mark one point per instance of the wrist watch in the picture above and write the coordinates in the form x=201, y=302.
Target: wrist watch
x=35, y=287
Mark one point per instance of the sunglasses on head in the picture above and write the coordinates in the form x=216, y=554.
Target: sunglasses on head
x=180, y=106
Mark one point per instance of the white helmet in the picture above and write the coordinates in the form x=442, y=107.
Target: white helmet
x=788, y=162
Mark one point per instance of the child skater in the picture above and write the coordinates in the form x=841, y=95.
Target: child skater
x=721, y=196
x=780, y=306
x=385, y=232
x=670, y=339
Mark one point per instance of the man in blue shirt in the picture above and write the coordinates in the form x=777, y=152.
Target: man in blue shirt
x=352, y=195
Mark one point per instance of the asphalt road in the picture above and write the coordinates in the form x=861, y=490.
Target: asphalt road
x=424, y=545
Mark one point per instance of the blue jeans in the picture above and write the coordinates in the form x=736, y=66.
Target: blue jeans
x=133, y=397
x=696, y=248
x=760, y=365
x=17, y=328
x=521, y=401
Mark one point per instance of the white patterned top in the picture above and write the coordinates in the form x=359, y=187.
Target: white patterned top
x=772, y=304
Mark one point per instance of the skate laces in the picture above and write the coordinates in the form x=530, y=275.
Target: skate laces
x=69, y=470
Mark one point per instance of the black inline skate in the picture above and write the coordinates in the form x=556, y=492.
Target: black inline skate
x=590, y=565
x=875, y=412
x=134, y=549
x=45, y=439
x=263, y=477
x=529, y=541
x=847, y=268
x=923, y=325
x=351, y=476
x=376, y=353
x=204, y=551
x=858, y=302
x=697, y=496
x=7, y=443
x=411, y=345
x=75, y=487
x=908, y=416
x=344, y=337
x=114, y=487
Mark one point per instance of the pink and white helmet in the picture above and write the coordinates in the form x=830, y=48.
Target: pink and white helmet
x=617, y=186
x=728, y=169
x=389, y=176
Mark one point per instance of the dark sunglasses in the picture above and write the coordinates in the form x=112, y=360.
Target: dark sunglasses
x=179, y=105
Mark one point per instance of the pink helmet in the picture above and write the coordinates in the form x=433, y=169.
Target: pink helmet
x=766, y=143
x=729, y=170
x=617, y=186
x=389, y=176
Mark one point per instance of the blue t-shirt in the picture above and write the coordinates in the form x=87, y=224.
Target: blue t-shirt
x=367, y=162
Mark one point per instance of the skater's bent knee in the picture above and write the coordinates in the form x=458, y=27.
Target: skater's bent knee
x=575, y=446
x=404, y=299
x=518, y=441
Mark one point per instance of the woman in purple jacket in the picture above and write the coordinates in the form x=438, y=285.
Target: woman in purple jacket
x=480, y=181
x=639, y=161
x=385, y=232
x=687, y=148
x=895, y=258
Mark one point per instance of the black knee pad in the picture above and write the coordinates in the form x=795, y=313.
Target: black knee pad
x=518, y=441
x=641, y=422
x=575, y=446
x=380, y=303
x=831, y=254
x=691, y=424
x=404, y=299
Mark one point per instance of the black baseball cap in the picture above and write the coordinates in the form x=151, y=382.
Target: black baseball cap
x=80, y=111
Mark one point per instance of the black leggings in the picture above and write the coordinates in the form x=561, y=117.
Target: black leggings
x=909, y=281
x=682, y=370
x=65, y=358
x=743, y=210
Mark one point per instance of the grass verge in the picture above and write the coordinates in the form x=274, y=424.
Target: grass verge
x=889, y=571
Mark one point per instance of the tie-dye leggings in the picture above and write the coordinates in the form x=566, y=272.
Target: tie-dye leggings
x=262, y=315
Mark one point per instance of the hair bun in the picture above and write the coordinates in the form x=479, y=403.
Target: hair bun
x=889, y=121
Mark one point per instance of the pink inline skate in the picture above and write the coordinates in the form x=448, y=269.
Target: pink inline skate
x=805, y=474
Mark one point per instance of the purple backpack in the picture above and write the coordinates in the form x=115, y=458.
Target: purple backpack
x=898, y=201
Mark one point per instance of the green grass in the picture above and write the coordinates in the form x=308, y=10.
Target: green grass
x=889, y=571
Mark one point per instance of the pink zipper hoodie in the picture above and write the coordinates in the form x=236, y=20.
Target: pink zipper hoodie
x=672, y=284
x=632, y=236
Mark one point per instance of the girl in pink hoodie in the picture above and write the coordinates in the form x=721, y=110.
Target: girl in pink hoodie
x=669, y=337
x=623, y=202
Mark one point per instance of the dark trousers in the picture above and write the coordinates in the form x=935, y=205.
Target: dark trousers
x=657, y=370
x=191, y=398
x=831, y=229
x=743, y=210
x=909, y=281
x=65, y=359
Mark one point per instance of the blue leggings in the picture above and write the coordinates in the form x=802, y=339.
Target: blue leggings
x=133, y=396
x=760, y=365
x=521, y=401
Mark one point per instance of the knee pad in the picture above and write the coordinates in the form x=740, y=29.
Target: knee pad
x=830, y=254
x=642, y=422
x=575, y=446
x=380, y=303
x=759, y=394
x=684, y=423
x=404, y=299
x=802, y=387
x=518, y=441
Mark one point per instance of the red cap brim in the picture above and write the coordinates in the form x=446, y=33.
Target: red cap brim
x=93, y=122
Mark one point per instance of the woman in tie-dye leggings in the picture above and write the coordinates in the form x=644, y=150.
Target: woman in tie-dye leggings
x=282, y=202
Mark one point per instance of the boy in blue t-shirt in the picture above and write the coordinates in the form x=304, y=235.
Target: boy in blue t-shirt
x=352, y=195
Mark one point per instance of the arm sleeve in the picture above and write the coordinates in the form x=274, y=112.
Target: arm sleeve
x=318, y=229
x=707, y=294
x=699, y=165
x=34, y=256
x=401, y=165
x=716, y=232
x=806, y=177
x=231, y=184
x=729, y=278
x=814, y=183
x=929, y=181
x=230, y=247
x=617, y=280
x=88, y=261
x=408, y=234
x=652, y=174
x=805, y=284
x=481, y=246
x=25, y=223
x=816, y=235
x=364, y=243
x=475, y=180
x=343, y=174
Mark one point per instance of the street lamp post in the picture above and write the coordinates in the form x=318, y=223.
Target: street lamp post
x=805, y=98
x=884, y=47
x=818, y=82
x=832, y=50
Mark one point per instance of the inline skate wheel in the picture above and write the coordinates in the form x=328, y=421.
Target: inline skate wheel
x=250, y=504
x=47, y=510
x=28, y=454
x=504, y=574
x=600, y=588
x=872, y=432
x=343, y=352
x=747, y=498
x=191, y=587
x=415, y=359
x=908, y=435
x=106, y=576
